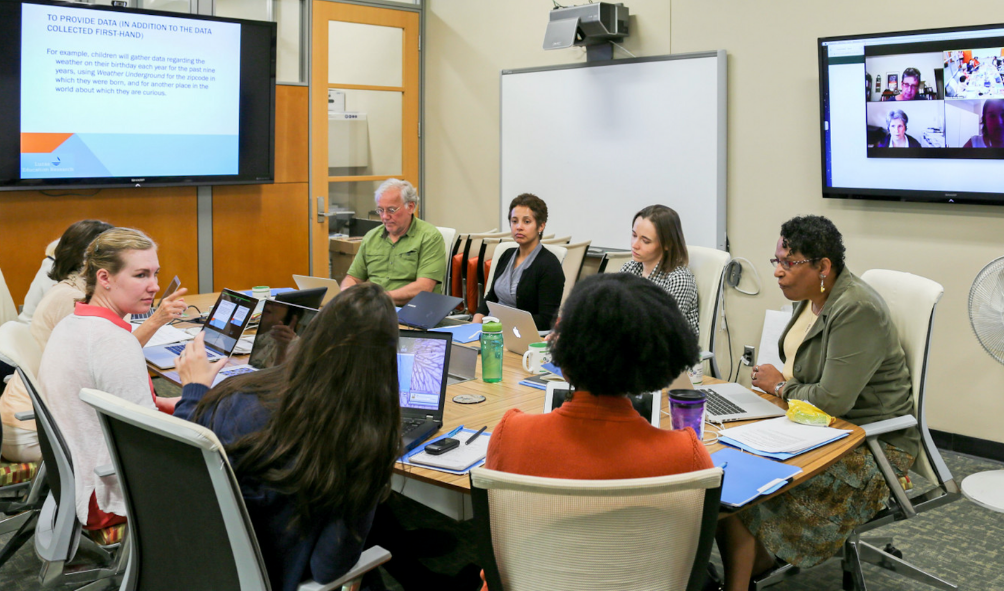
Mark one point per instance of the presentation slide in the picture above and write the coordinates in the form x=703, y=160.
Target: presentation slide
x=106, y=94
x=223, y=313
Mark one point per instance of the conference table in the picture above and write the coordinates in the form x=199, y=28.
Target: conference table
x=508, y=394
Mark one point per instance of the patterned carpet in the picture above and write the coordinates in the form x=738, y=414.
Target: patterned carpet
x=960, y=542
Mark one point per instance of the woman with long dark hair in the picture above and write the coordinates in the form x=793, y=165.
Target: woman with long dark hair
x=313, y=440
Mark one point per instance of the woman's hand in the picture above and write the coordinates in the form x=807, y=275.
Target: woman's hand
x=766, y=377
x=477, y=318
x=171, y=308
x=194, y=367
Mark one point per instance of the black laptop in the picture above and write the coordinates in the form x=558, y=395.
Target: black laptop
x=306, y=298
x=423, y=361
x=426, y=309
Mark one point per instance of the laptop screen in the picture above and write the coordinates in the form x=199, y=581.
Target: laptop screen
x=422, y=361
x=227, y=320
x=280, y=327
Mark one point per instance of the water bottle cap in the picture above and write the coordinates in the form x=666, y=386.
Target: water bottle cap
x=490, y=324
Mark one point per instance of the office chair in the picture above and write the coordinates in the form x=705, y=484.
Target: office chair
x=58, y=533
x=212, y=545
x=555, y=533
x=22, y=484
x=8, y=309
x=449, y=242
x=559, y=241
x=572, y=265
x=912, y=301
x=708, y=266
x=613, y=261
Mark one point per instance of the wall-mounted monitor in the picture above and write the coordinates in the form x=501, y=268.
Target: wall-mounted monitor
x=96, y=96
x=914, y=116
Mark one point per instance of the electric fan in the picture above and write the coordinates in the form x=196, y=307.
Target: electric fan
x=986, y=314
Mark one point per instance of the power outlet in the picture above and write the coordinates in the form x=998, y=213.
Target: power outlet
x=748, y=352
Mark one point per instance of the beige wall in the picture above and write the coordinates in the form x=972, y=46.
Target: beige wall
x=774, y=168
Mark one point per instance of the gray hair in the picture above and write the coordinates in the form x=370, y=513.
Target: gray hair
x=896, y=114
x=408, y=192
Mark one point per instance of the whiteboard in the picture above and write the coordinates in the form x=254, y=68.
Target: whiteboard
x=599, y=142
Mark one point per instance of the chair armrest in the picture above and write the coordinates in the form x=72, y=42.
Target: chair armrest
x=889, y=425
x=105, y=470
x=705, y=355
x=25, y=415
x=370, y=559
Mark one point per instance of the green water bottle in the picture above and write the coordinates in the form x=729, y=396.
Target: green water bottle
x=491, y=350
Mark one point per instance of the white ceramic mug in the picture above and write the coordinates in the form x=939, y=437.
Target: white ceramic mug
x=262, y=292
x=536, y=356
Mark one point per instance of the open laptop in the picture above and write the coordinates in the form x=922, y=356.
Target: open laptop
x=648, y=404
x=267, y=350
x=423, y=361
x=308, y=282
x=426, y=310
x=171, y=288
x=463, y=363
x=734, y=402
x=223, y=327
x=519, y=331
x=307, y=298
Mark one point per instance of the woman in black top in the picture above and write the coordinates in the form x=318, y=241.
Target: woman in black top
x=528, y=277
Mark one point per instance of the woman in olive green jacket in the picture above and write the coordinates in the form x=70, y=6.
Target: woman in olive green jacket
x=842, y=353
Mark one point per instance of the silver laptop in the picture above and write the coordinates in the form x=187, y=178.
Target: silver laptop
x=308, y=282
x=223, y=327
x=463, y=363
x=734, y=402
x=519, y=331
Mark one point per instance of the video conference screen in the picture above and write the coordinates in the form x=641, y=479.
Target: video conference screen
x=914, y=115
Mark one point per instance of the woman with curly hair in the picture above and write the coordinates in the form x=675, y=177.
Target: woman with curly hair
x=619, y=334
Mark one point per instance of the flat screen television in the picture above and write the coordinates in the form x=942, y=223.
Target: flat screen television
x=96, y=96
x=914, y=116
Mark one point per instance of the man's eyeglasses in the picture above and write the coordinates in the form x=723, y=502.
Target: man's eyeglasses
x=787, y=265
x=388, y=211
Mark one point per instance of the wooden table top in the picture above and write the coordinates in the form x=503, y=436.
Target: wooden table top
x=507, y=394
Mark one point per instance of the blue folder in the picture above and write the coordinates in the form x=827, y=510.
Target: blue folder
x=463, y=333
x=274, y=291
x=748, y=476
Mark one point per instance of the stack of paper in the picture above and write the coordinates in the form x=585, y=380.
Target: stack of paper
x=166, y=335
x=779, y=438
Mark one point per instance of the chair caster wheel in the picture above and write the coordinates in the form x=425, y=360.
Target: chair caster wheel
x=890, y=549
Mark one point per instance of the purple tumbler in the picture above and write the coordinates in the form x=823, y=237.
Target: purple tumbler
x=686, y=409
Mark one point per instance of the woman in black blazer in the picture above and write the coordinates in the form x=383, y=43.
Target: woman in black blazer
x=528, y=277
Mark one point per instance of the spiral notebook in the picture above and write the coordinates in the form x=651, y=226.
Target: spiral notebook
x=459, y=459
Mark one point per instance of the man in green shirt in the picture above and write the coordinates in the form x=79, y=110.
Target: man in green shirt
x=405, y=255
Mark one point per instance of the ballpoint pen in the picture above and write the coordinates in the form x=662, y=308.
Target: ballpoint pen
x=476, y=435
x=455, y=431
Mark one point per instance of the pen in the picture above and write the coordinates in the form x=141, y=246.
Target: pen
x=455, y=431
x=476, y=435
x=725, y=465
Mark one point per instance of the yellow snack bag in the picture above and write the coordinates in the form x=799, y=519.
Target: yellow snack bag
x=806, y=413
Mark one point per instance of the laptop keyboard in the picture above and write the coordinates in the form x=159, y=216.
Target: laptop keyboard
x=717, y=405
x=238, y=370
x=177, y=349
x=408, y=424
